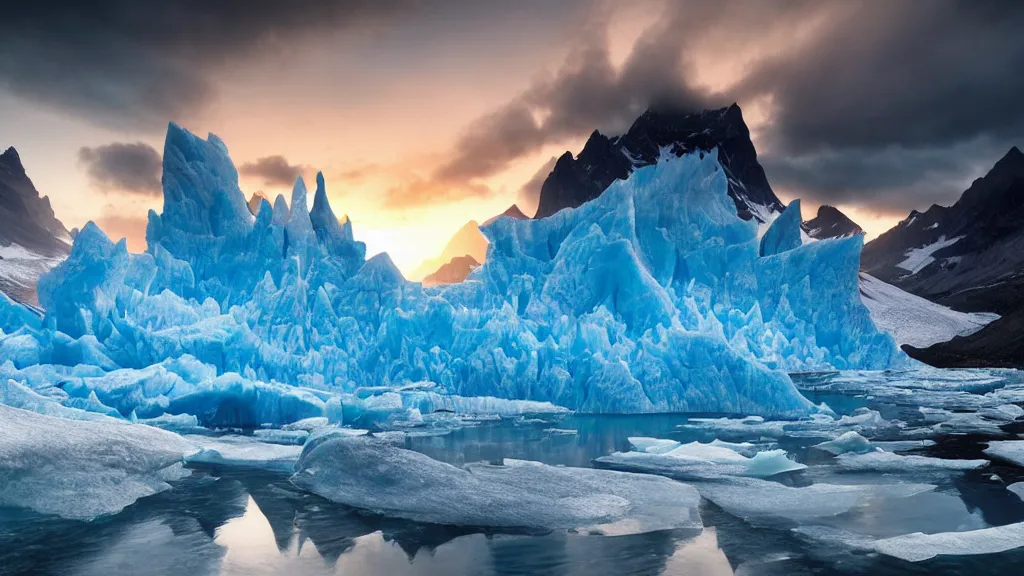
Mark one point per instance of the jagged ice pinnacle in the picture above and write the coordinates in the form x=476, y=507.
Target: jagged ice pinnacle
x=654, y=296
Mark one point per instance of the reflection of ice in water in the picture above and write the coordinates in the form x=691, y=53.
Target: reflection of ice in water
x=252, y=549
x=372, y=555
x=699, y=556
x=152, y=547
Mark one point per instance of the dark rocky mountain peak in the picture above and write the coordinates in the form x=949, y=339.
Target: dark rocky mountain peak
x=26, y=218
x=603, y=160
x=512, y=211
x=831, y=223
x=29, y=231
x=455, y=270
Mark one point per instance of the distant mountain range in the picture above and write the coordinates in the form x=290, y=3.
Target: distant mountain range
x=603, y=160
x=970, y=257
x=467, y=241
x=32, y=239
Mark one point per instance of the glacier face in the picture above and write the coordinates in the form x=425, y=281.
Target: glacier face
x=653, y=297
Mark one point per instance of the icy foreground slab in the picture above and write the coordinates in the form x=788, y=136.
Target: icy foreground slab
x=83, y=469
x=764, y=501
x=918, y=547
x=880, y=461
x=654, y=297
x=1008, y=450
x=366, y=473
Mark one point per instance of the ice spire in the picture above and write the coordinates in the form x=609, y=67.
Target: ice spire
x=784, y=232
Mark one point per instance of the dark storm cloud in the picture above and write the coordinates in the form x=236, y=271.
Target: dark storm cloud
x=889, y=181
x=136, y=64
x=903, y=73
x=895, y=104
x=587, y=92
x=273, y=170
x=121, y=166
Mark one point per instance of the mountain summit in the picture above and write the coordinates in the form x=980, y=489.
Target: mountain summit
x=604, y=159
x=831, y=223
x=32, y=239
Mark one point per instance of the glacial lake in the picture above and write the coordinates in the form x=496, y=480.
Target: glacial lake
x=223, y=520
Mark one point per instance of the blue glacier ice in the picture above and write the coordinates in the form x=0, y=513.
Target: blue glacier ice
x=653, y=297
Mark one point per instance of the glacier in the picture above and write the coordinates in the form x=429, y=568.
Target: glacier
x=653, y=297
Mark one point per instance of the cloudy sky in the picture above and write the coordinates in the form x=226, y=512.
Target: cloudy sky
x=424, y=114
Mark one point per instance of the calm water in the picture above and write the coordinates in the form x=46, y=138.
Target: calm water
x=221, y=521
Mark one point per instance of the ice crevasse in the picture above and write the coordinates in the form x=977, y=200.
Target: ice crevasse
x=653, y=297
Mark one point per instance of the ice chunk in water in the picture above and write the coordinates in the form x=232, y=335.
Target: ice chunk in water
x=708, y=452
x=279, y=436
x=880, y=461
x=652, y=445
x=83, y=469
x=917, y=547
x=764, y=500
x=903, y=445
x=846, y=443
x=366, y=473
x=1009, y=450
x=770, y=463
x=1017, y=488
x=699, y=461
x=243, y=451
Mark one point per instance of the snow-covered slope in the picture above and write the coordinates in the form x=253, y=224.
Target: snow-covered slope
x=913, y=320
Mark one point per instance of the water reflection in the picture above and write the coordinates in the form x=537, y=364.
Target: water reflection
x=224, y=521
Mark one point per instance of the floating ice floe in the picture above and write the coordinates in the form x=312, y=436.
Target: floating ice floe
x=243, y=451
x=83, y=469
x=902, y=445
x=848, y=442
x=918, y=547
x=766, y=501
x=1017, y=488
x=365, y=473
x=281, y=436
x=862, y=420
x=1008, y=450
x=971, y=390
x=880, y=461
x=698, y=460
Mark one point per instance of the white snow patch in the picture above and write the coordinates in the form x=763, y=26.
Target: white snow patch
x=913, y=320
x=918, y=258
